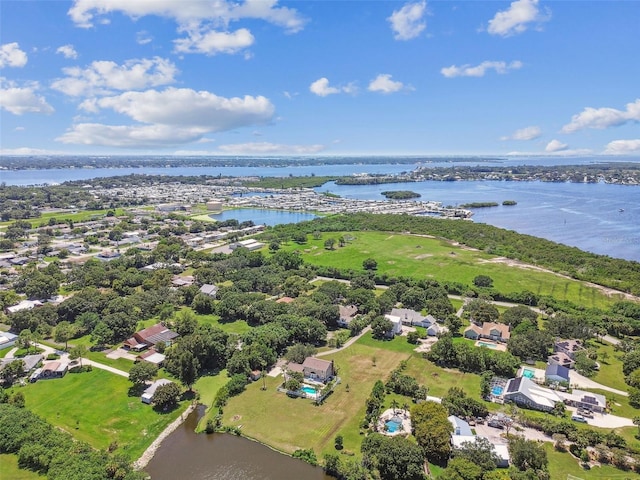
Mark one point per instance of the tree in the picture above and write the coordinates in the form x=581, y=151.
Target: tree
x=63, y=333
x=12, y=371
x=461, y=469
x=432, y=430
x=516, y=315
x=298, y=352
x=189, y=367
x=481, y=311
x=101, y=334
x=369, y=264
x=78, y=352
x=339, y=442
x=394, y=457
x=185, y=322
x=330, y=243
x=141, y=372
x=166, y=396
x=479, y=452
x=381, y=326
x=25, y=338
x=483, y=281
x=527, y=454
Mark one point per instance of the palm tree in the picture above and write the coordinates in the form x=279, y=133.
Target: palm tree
x=405, y=407
x=394, y=405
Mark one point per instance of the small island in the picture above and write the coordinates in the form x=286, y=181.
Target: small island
x=508, y=203
x=479, y=205
x=400, y=194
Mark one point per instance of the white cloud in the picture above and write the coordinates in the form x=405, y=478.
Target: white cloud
x=601, y=118
x=12, y=56
x=19, y=129
x=266, y=148
x=383, y=84
x=143, y=37
x=22, y=99
x=480, y=70
x=212, y=42
x=622, y=147
x=68, y=51
x=516, y=18
x=527, y=133
x=205, y=22
x=103, y=77
x=186, y=107
x=321, y=88
x=408, y=22
x=132, y=136
x=169, y=117
x=555, y=146
x=28, y=151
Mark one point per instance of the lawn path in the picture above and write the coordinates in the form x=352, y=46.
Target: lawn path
x=49, y=350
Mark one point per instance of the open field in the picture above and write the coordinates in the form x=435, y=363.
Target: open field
x=239, y=326
x=423, y=257
x=9, y=469
x=610, y=373
x=95, y=407
x=80, y=216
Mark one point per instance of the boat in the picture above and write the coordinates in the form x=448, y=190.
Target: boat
x=621, y=210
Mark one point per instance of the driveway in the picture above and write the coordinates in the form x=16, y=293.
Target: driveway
x=121, y=353
x=583, y=382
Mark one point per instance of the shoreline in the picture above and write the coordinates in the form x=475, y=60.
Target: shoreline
x=151, y=450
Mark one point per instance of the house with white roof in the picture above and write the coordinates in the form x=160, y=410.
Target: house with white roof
x=525, y=392
x=147, y=395
x=396, y=322
x=462, y=434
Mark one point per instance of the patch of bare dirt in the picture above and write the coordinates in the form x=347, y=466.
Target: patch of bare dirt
x=423, y=255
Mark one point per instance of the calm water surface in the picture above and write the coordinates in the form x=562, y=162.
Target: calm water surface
x=263, y=217
x=187, y=455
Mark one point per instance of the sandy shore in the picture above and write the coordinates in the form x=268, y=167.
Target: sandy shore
x=148, y=454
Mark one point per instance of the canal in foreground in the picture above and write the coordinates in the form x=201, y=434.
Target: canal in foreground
x=185, y=454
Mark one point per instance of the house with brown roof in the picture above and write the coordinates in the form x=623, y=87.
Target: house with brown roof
x=346, y=313
x=53, y=370
x=569, y=347
x=149, y=337
x=314, y=369
x=498, y=332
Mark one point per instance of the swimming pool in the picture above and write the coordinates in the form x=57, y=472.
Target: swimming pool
x=394, y=424
x=308, y=390
x=497, y=390
x=528, y=373
x=487, y=345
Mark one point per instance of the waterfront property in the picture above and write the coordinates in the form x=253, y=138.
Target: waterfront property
x=147, y=395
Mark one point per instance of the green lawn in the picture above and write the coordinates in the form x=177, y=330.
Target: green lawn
x=610, y=373
x=563, y=464
x=422, y=257
x=288, y=424
x=95, y=407
x=9, y=469
x=79, y=216
x=207, y=387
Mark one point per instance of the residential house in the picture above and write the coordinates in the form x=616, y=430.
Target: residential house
x=569, y=347
x=589, y=401
x=396, y=322
x=525, y=392
x=498, y=332
x=53, y=370
x=561, y=358
x=347, y=313
x=24, y=305
x=7, y=339
x=209, y=290
x=556, y=373
x=151, y=356
x=147, y=395
x=182, y=281
x=250, y=244
x=462, y=433
x=149, y=337
x=314, y=369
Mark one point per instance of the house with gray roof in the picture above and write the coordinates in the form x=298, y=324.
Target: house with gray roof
x=209, y=290
x=526, y=393
x=147, y=395
x=557, y=373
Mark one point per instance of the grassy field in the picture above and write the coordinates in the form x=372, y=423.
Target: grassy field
x=288, y=424
x=80, y=216
x=610, y=373
x=422, y=257
x=563, y=464
x=9, y=469
x=238, y=327
x=95, y=407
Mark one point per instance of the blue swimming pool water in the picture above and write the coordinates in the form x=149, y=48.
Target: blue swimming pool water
x=528, y=373
x=487, y=345
x=497, y=390
x=393, y=426
x=309, y=390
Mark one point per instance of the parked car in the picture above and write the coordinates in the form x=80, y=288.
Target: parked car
x=578, y=418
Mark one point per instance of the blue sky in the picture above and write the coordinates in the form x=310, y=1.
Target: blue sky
x=320, y=77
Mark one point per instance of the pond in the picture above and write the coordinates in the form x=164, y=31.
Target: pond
x=186, y=454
